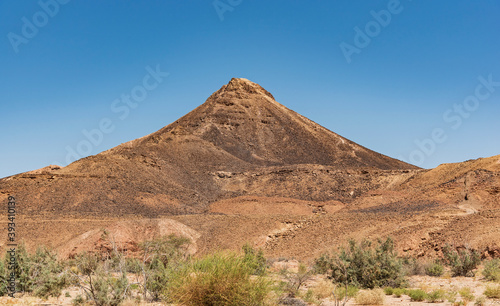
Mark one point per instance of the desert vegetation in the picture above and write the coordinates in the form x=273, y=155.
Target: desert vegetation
x=362, y=272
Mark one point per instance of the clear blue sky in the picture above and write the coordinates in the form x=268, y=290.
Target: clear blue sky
x=62, y=68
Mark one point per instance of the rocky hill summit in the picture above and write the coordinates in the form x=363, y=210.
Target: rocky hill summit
x=240, y=129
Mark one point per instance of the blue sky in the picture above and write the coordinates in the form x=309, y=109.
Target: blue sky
x=410, y=89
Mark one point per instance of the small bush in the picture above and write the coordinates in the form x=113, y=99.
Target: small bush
x=492, y=270
x=341, y=294
x=462, y=262
x=388, y=290
x=370, y=297
x=480, y=301
x=434, y=269
x=398, y=292
x=466, y=295
x=159, y=256
x=78, y=300
x=323, y=289
x=99, y=285
x=310, y=297
x=323, y=264
x=436, y=296
x=293, y=281
x=492, y=292
x=412, y=266
x=218, y=279
x=451, y=296
x=417, y=295
x=255, y=259
x=289, y=301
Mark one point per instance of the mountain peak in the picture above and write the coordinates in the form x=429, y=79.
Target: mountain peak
x=246, y=123
x=241, y=88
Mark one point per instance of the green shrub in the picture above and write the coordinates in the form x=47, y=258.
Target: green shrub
x=323, y=264
x=434, y=269
x=462, y=262
x=492, y=270
x=255, y=259
x=41, y=273
x=3, y=279
x=218, y=279
x=159, y=257
x=309, y=297
x=398, y=292
x=436, y=296
x=451, y=296
x=492, y=292
x=78, y=300
x=417, y=295
x=340, y=292
x=99, y=285
x=165, y=249
x=466, y=295
x=362, y=265
x=388, y=290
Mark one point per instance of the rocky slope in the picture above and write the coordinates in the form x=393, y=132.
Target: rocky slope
x=243, y=168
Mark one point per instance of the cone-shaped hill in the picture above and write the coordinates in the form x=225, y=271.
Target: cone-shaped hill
x=240, y=141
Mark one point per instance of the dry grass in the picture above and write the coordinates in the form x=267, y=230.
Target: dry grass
x=492, y=292
x=370, y=297
x=323, y=289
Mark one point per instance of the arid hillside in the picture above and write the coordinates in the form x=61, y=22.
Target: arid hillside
x=181, y=168
x=244, y=168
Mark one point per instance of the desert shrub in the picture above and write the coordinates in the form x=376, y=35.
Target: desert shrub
x=480, y=301
x=255, y=259
x=159, y=257
x=436, y=296
x=218, y=279
x=364, y=265
x=100, y=286
x=294, y=280
x=323, y=289
x=342, y=294
x=165, y=249
x=133, y=265
x=78, y=300
x=370, y=297
x=389, y=291
x=451, y=296
x=492, y=292
x=326, y=289
x=290, y=301
x=434, y=269
x=310, y=297
x=398, y=292
x=412, y=266
x=3, y=279
x=492, y=270
x=40, y=273
x=417, y=295
x=466, y=295
x=323, y=264
x=462, y=262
